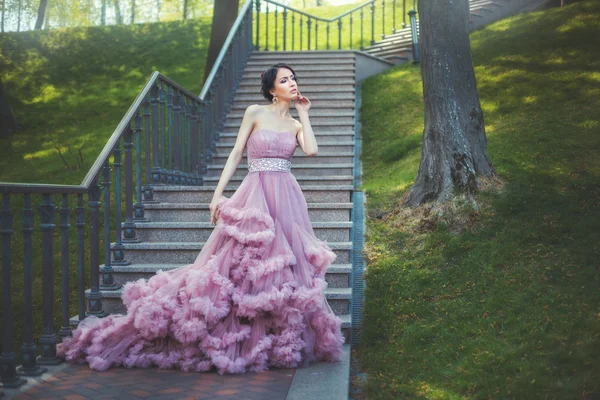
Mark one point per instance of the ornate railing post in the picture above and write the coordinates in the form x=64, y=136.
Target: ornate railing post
x=30, y=366
x=107, y=271
x=414, y=35
x=95, y=297
x=8, y=371
x=65, y=330
x=48, y=337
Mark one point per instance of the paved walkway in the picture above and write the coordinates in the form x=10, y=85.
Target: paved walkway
x=79, y=382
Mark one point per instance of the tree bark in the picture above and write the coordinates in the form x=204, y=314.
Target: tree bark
x=41, y=14
x=7, y=120
x=225, y=13
x=103, y=13
x=453, y=153
x=132, y=11
x=185, y=7
x=3, y=13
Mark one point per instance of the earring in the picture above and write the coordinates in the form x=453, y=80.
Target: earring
x=275, y=100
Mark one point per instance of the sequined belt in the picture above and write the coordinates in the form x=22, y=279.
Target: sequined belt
x=269, y=164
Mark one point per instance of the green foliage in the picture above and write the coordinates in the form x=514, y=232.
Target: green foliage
x=502, y=302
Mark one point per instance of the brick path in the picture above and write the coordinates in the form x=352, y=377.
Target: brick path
x=79, y=382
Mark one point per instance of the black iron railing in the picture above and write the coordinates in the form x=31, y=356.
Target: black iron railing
x=308, y=38
x=168, y=136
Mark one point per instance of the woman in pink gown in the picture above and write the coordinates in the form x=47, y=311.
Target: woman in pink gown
x=254, y=296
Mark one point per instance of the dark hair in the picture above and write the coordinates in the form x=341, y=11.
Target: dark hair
x=268, y=79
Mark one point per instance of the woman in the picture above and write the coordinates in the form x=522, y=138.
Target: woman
x=254, y=296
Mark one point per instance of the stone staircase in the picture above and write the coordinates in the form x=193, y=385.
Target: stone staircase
x=397, y=47
x=178, y=224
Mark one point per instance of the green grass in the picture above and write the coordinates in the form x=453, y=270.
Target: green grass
x=503, y=302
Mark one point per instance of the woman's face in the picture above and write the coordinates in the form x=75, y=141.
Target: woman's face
x=285, y=85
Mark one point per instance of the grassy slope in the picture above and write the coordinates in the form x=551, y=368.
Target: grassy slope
x=508, y=307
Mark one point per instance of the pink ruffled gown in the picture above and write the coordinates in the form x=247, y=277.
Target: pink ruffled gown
x=252, y=299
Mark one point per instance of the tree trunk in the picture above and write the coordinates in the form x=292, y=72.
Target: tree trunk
x=3, y=13
x=7, y=120
x=118, y=15
x=157, y=10
x=19, y=17
x=185, y=7
x=103, y=13
x=41, y=14
x=132, y=11
x=224, y=15
x=453, y=153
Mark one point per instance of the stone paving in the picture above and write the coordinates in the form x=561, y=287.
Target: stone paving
x=79, y=382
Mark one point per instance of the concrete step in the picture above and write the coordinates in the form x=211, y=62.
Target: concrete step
x=337, y=275
x=325, y=147
x=198, y=212
x=311, y=81
x=324, y=180
x=186, y=252
x=240, y=104
x=305, y=69
x=322, y=134
x=256, y=98
x=338, y=298
x=302, y=77
x=264, y=63
x=279, y=55
x=306, y=91
x=317, y=123
x=185, y=232
x=313, y=193
x=299, y=157
x=311, y=169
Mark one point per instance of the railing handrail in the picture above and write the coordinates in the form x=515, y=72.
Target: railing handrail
x=9, y=187
x=312, y=16
x=224, y=48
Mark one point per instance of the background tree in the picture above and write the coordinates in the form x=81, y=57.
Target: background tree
x=41, y=14
x=118, y=15
x=225, y=13
x=7, y=120
x=454, y=153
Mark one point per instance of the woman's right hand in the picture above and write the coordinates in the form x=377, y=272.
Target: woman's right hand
x=214, y=209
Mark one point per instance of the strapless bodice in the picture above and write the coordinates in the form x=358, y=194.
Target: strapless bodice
x=265, y=143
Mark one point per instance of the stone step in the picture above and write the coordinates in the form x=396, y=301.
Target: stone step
x=316, y=120
x=322, y=133
x=313, y=193
x=264, y=63
x=337, y=275
x=338, y=298
x=313, y=90
x=303, y=76
x=305, y=69
x=279, y=55
x=185, y=232
x=324, y=180
x=317, y=123
x=256, y=98
x=237, y=115
x=198, y=212
x=186, y=252
x=315, y=80
x=306, y=88
x=346, y=104
x=312, y=169
x=299, y=157
x=324, y=147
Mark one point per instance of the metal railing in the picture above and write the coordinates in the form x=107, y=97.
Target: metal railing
x=306, y=21
x=168, y=137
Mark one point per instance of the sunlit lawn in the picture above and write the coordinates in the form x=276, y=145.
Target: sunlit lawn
x=503, y=303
